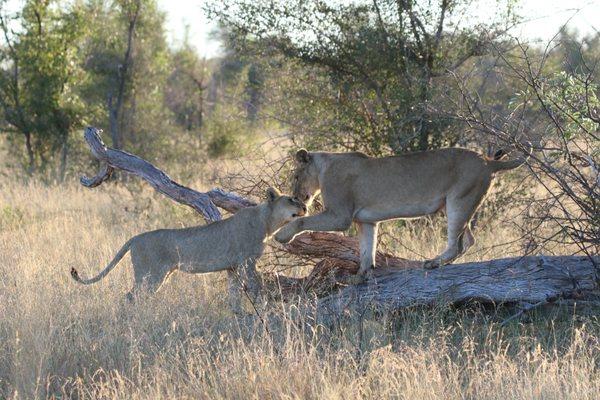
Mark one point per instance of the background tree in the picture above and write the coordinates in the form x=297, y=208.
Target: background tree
x=554, y=104
x=371, y=69
x=127, y=59
x=39, y=77
x=186, y=87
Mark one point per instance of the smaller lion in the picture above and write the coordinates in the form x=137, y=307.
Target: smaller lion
x=233, y=244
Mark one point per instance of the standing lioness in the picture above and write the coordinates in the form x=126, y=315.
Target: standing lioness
x=233, y=244
x=355, y=187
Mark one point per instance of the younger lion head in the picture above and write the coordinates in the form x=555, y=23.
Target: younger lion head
x=306, y=177
x=284, y=208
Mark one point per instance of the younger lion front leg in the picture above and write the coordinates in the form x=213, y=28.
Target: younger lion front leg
x=252, y=281
x=235, y=291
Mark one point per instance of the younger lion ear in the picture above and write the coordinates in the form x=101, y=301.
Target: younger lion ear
x=272, y=194
x=302, y=156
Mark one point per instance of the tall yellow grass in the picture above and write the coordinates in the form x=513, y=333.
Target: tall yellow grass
x=59, y=339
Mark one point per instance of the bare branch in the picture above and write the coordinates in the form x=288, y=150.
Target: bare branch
x=117, y=159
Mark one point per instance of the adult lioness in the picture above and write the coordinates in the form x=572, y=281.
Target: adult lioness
x=233, y=244
x=355, y=187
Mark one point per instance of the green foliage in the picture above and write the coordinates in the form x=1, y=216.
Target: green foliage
x=10, y=217
x=227, y=134
x=144, y=117
x=364, y=75
x=186, y=86
x=38, y=89
x=574, y=99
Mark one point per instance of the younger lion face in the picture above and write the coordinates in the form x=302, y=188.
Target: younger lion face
x=284, y=208
x=306, y=178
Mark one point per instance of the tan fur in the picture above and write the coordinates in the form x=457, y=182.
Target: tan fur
x=355, y=187
x=233, y=244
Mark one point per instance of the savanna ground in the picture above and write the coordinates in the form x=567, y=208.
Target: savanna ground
x=63, y=340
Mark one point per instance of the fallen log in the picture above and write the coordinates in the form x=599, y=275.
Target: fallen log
x=529, y=280
x=396, y=282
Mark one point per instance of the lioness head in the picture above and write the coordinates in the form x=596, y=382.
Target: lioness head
x=305, y=184
x=284, y=208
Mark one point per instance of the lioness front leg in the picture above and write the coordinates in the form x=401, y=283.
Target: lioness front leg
x=327, y=221
x=367, y=236
x=243, y=281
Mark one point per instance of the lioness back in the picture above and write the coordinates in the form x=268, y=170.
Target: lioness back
x=411, y=176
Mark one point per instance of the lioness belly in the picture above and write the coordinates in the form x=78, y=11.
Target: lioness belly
x=380, y=212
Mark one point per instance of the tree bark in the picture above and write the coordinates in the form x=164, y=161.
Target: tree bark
x=396, y=282
x=64, y=154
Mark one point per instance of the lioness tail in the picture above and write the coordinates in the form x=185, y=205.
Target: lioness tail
x=106, y=270
x=499, y=165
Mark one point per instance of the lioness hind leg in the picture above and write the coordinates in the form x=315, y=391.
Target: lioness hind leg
x=460, y=210
x=150, y=283
x=367, y=233
x=466, y=239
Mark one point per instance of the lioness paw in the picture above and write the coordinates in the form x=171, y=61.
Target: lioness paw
x=283, y=236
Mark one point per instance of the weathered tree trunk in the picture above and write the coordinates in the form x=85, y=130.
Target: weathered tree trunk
x=64, y=155
x=396, y=282
x=509, y=280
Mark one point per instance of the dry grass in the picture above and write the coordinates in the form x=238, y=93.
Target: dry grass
x=58, y=339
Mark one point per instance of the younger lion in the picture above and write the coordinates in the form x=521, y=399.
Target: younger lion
x=233, y=244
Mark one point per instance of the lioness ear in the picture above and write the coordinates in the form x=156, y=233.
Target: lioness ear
x=302, y=156
x=272, y=194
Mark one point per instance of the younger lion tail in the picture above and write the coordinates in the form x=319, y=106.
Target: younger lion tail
x=106, y=270
x=499, y=165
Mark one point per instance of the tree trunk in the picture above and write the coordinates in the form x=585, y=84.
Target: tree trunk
x=123, y=69
x=30, y=154
x=64, y=154
x=396, y=282
x=509, y=280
